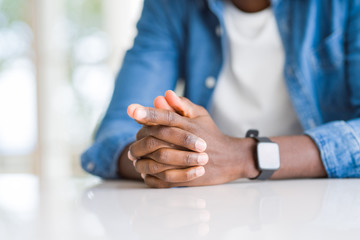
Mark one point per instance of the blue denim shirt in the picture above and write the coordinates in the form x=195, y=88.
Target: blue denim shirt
x=186, y=39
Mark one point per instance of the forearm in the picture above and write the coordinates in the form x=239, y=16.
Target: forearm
x=126, y=168
x=299, y=158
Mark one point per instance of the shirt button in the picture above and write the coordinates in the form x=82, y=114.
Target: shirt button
x=210, y=82
x=90, y=166
x=218, y=31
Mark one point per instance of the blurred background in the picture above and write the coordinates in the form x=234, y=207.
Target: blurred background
x=58, y=62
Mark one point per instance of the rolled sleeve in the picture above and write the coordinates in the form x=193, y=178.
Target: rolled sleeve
x=339, y=147
x=101, y=159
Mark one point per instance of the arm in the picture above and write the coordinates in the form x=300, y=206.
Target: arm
x=300, y=158
x=339, y=141
x=228, y=158
x=149, y=68
x=332, y=149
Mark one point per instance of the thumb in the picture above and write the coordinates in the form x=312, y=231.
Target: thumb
x=183, y=106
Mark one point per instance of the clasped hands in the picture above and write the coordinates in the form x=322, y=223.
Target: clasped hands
x=180, y=145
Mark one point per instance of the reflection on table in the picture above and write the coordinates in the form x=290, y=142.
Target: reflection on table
x=91, y=209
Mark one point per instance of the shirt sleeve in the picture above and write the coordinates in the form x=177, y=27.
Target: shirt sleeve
x=339, y=142
x=149, y=69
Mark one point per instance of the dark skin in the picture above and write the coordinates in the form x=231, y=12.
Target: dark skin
x=125, y=168
x=251, y=6
x=165, y=153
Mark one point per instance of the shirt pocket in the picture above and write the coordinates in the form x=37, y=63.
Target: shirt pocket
x=328, y=55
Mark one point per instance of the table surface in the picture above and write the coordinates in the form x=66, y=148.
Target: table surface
x=87, y=208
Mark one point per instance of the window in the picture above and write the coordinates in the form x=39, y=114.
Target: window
x=58, y=62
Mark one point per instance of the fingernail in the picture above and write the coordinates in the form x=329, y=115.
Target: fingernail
x=200, y=145
x=143, y=176
x=131, y=110
x=130, y=156
x=134, y=163
x=140, y=113
x=203, y=159
x=200, y=171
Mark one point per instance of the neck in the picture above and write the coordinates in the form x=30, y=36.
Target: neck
x=251, y=6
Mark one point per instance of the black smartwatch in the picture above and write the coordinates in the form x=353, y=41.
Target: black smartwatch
x=267, y=155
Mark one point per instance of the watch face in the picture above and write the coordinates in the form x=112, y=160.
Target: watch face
x=268, y=155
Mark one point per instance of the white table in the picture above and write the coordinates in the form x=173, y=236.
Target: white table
x=34, y=209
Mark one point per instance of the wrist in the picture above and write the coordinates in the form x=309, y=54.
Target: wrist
x=245, y=158
x=125, y=166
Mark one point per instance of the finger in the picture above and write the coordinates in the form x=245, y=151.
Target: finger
x=175, y=102
x=155, y=181
x=184, y=106
x=153, y=116
x=131, y=157
x=149, y=166
x=146, y=146
x=179, y=158
x=175, y=136
x=181, y=175
x=131, y=109
x=161, y=103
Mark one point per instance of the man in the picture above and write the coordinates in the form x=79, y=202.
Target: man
x=290, y=69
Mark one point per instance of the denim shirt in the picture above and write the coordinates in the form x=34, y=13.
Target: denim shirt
x=186, y=39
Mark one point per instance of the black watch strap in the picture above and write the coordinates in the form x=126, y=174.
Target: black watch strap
x=263, y=139
x=264, y=174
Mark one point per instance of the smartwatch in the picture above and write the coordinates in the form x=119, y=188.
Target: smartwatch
x=267, y=155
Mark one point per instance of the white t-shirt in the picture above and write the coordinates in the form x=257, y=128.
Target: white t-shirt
x=251, y=91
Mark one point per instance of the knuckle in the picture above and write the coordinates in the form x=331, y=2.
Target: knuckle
x=153, y=168
x=168, y=177
x=169, y=117
x=189, y=175
x=162, y=155
x=188, y=159
x=191, y=126
x=150, y=143
x=201, y=108
x=188, y=140
x=152, y=115
x=163, y=132
x=139, y=166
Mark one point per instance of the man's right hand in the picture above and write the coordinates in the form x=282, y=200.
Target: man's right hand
x=158, y=156
x=127, y=169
